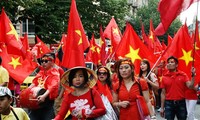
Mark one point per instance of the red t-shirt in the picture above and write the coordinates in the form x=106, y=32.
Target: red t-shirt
x=84, y=103
x=191, y=94
x=175, y=85
x=131, y=112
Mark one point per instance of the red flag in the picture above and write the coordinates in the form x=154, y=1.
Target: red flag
x=183, y=50
x=9, y=36
x=169, y=10
x=132, y=47
x=196, y=39
x=113, y=30
x=156, y=46
x=26, y=47
x=76, y=42
x=40, y=48
x=169, y=39
x=17, y=67
x=59, y=53
x=144, y=37
x=103, y=47
x=163, y=45
x=25, y=43
x=94, y=52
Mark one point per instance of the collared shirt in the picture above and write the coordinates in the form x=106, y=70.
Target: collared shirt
x=175, y=85
x=21, y=114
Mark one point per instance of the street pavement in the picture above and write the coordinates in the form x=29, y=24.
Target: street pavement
x=197, y=113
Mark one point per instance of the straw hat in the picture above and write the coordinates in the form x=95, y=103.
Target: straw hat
x=92, y=78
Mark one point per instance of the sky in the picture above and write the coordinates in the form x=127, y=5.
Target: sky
x=190, y=14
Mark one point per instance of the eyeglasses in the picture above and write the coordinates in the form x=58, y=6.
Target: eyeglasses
x=101, y=73
x=45, y=61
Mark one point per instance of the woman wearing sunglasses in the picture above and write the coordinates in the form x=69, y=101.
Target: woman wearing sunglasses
x=104, y=84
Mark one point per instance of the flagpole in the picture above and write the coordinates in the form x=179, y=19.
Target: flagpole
x=195, y=34
x=154, y=65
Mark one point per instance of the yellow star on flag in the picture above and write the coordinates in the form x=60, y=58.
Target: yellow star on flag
x=79, y=33
x=15, y=62
x=151, y=35
x=196, y=47
x=101, y=41
x=133, y=54
x=98, y=50
x=186, y=56
x=92, y=48
x=115, y=31
x=13, y=31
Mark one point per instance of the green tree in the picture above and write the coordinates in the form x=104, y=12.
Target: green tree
x=147, y=12
x=51, y=17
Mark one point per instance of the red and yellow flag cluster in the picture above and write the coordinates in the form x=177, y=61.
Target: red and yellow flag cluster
x=13, y=51
x=17, y=57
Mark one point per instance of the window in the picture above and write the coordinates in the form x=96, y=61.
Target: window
x=28, y=27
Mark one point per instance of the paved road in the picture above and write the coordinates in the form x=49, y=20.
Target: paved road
x=197, y=113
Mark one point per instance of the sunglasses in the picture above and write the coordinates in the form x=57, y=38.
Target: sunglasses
x=101, y=73
x=45, y=61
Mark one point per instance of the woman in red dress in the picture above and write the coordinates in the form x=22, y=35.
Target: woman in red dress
x=152, y=80
x=83, y=102
x=127, y=90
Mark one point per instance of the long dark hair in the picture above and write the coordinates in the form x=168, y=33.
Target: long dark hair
x=74, y=71
x=108, y=79
x=148, y=70
x=118, y=63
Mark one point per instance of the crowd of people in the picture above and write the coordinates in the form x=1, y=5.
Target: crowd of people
x=77, y=93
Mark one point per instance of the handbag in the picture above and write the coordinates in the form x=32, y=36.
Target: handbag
x=110, y=113
x=142, y=108
x=142, y=105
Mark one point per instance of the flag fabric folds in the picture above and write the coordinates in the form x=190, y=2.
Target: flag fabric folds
x=9, y=36
x=169, y=10
x=17, y=67
x=76, y=42
x=182, y=49
x=40, y=48
x=103, y=54
x=93, y=54
x=113, y=33
x=132, y=47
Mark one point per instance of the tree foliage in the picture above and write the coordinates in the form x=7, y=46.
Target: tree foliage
x=51, y=17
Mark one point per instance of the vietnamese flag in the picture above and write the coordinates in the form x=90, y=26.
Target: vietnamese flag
x=182, y=49
x=59, y=52
x=40, y=48
x=17, y=67
x=93, y=54
x=9, y=36
x=132, y=47
x=155, y=44
x=26, y=47
x=103, y=47
x=144, y=37
x=113, y=33
x=76, y=42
